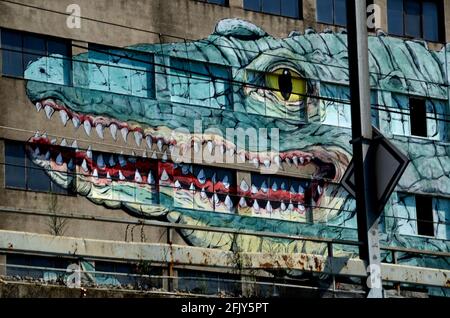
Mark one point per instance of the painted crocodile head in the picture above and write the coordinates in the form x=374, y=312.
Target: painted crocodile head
x=238, y=78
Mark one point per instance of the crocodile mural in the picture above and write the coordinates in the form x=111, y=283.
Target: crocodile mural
x=242, y=78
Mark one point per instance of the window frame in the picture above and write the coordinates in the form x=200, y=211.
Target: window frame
x=441, y=21
x=260, y=10
x=71, y=192
x=47, y=38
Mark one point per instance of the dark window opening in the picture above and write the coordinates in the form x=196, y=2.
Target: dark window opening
x=219, y=2
x=285, y=8
x=417, y=19
x=418, y=117
x=20, y=49
x=424, y=214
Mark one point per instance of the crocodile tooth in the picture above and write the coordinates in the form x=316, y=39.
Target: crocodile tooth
x=133, y=153
x=38, y=107
x=292, y=190
x=75, y=144
x=242, y=203
x=300, y=189
x=225, y=182
x=290, y=206
x=137, y=176
x=111, y=161
x=154, y=156
x=99, y=129
x=275, y=187
x=63, y=142
x=95, y=174
x=160, y=144
x=53, y=141
x=84, y=165
x=254, y=189
x=201, y=177
x=70, y=165
x=264, y=187
x=36, y=152
x=75, y=122
x=267, y=163
x=192, y=187
x=121, y=176
x=283, y=186
x=269, y=207
x=49, y=111
x=283, y=206
x=229, y=203
x=196, y=146
x=45, y=136
x=185, y=169
x=100, y=161
x=138, y=138
x=177, y=184
x=277, y=160
x=89, y=152
x=122, y=161
x=37, y=135
x=64, y=117
x=210, y=146
x=59, y=160
x=87, y=127
x=288, y=161
x=149, y=141
x=302, y=160
x=256, y=206
x=164, y=157
x=213, y=179
x=215, y=199
x=244, y=186
x=295, y=160
x=144, y=154
x=301, y=207
x=256, y=162
x=203, y=194
x=113, y=130
x=108, y=176
x=48, y=155
x=124, y=132
x=150, y=179
x=164, y=175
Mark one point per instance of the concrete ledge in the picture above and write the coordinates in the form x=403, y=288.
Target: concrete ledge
x=31, y=243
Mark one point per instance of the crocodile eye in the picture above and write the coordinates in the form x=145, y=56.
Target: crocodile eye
x=287, y=85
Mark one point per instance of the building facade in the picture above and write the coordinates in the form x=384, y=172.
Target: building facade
x=203, y=142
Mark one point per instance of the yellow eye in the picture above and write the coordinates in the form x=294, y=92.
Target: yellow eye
x=287, y=85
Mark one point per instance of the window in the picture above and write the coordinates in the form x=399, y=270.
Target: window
x=200, y=83
x=204, y=188
x=20, y=49
x=286, y=8
x=424, y=213
x=332, y=12
x=22, y=173
x=418, y=117
x=121, y=71
x=336, y=113
x=278, y=197
x=416, y=18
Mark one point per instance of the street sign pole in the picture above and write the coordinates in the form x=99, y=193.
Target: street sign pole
x=367, y=214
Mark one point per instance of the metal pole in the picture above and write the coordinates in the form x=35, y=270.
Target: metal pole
x=367, y=215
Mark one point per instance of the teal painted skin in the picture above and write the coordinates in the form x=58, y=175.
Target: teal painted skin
x=243, y=53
